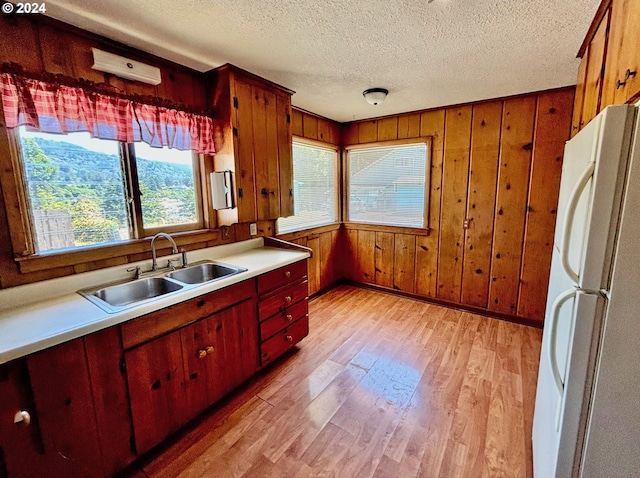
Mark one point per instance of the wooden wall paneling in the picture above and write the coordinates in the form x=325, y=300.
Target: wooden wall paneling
x=388, y=128
x=455, y=174
x=483, y=175
x=56, y=54
x=368, y=131
x=431, y=124
x=576, y=121
x=328, y=131
x=82, y=60
x=110, y=396
x=409, y=126
x=551, y=132
x=404, y=262
x=326, y=259
x=296, y=122
x=310, y=126
x=366, y=256
x=244, y=154
x=314, y=264
x=64, y=404
x=385, y=248
x=348, y=256
x=595, y=72
x=350, y=134
x=19, y=42
x=335, y=264
x=513, y=181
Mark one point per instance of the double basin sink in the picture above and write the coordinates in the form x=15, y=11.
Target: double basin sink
x=115, y=297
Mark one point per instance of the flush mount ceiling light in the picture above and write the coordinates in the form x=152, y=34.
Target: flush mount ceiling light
x=375, y=96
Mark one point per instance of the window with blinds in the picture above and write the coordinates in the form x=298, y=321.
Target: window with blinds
x=314, y=188
x=387, y=185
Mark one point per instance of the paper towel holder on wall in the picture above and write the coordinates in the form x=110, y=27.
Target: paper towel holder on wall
x=222, y=189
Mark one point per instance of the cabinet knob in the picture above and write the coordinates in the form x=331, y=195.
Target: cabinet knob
x=287, y=274
x=289, y=317
x=202, y=353
x=288, y=299
x=288, y=338
x=209, y=349
x=22, y=416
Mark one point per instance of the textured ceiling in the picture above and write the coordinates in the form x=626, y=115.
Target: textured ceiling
x=426, y=54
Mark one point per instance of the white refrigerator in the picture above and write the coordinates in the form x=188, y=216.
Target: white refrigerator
x=587, y=411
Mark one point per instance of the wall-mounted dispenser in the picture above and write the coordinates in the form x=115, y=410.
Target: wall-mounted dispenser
x=222, y=189
x=125, y=67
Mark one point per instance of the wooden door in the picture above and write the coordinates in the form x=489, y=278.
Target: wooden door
x=265, y=144
x=244, y=152
x=622, y=75
x=576, y=121
x=595, y=72
x=157, y=392
x=65, y=409
x=198, y=349
x=285, y=154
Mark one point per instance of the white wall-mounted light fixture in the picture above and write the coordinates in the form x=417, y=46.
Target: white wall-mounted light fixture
x=125, y=68
x=375, y=96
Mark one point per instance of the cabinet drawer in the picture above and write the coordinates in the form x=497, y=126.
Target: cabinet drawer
x=147, y=327
x=282, y=299
x=284, y=340
x=287, y=274
x=283, y=319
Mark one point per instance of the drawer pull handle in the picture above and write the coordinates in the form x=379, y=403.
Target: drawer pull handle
x=287, y=274
x=209, y=349
x=288, y=338
x=22, y=416
x=202, y=353
x=289, y=317
x=288, y=299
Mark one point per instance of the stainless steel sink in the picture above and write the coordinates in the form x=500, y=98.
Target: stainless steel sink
x=117, y=297
x=205, y=272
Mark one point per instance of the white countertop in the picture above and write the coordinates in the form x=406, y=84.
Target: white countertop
x=36, y=316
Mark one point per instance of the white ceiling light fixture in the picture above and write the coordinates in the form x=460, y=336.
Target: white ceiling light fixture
x=375, y=96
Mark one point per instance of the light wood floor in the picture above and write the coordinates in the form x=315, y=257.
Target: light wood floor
x=383, y=386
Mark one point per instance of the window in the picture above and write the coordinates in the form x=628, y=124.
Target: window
x=84, y=191
x=314, y=188
x=387, y=184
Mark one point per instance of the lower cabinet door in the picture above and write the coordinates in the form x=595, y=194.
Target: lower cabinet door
x=157, y=390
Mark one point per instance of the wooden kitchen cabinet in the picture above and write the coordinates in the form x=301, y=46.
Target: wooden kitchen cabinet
x=622, y=72
x=253, y=139
x=283, y=310
x=175, y=376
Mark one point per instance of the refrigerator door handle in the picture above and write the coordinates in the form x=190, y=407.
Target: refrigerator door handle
x=553, y=332
x=568, y=220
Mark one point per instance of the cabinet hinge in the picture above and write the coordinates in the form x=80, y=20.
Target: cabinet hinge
x=123, y=367
x=235, y=131
x=288, y=118
x=291, y=192
x=235, y=101
x=240, y=192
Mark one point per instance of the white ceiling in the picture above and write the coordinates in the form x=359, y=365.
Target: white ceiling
x=426, y=53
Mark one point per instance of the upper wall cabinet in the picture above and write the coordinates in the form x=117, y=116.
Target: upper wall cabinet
x=253, y=139
x=622, y=72
x=609, y=72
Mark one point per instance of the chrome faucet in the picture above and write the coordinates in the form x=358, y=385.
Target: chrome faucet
x=154, y=263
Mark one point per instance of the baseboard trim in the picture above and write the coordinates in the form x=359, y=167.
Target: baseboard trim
x=451, y=305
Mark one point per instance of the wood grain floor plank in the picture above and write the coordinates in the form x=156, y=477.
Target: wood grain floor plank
x=383, y=386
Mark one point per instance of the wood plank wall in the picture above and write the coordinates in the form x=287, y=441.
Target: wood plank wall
x=496, y=164
x=324, y=268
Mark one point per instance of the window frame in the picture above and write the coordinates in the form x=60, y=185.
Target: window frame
x=337, y=182
x=20, y=231
x=428, y=142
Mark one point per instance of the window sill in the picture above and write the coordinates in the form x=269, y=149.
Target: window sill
x=416, y=231
x=93, y=257
x=293, y=235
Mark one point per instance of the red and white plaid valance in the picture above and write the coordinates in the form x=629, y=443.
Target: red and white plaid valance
x=55, y=108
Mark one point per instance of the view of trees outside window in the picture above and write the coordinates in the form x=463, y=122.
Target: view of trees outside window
x=76, y=189
x=166, y=185
x=314, y=188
